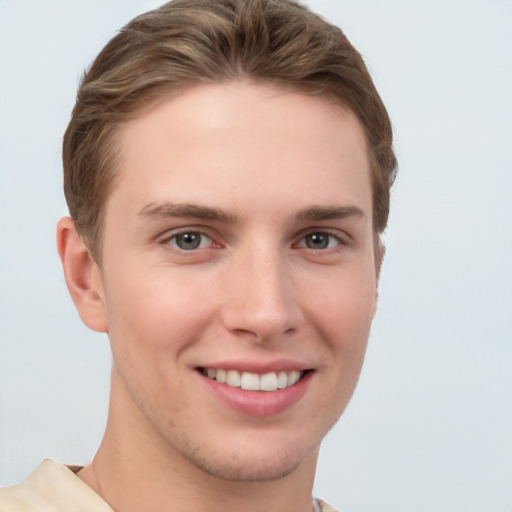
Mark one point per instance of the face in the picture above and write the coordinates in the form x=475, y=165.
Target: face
x=238, y=276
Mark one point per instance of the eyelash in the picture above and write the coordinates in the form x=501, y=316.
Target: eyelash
x=173, y=240
x=339, y=242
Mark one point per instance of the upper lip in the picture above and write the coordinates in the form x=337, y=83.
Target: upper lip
x=260, y=367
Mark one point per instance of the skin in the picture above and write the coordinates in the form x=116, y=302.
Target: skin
x=285, y=271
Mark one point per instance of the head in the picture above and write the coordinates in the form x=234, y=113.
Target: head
x=190, y=42
x=227, y=166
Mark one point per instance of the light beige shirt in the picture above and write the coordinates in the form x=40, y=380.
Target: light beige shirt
x=53, y=487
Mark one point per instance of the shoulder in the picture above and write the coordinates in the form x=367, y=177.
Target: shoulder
x=52, y=487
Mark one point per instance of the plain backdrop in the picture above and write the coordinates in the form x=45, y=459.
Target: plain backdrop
x=430, y=425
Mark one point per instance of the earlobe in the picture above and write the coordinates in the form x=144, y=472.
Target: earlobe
x=82, y=276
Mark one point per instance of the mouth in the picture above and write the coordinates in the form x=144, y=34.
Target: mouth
x=248, y=381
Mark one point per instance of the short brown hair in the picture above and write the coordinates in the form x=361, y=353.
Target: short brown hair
x=190, y=42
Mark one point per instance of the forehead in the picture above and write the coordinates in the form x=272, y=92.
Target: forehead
x=245, y=139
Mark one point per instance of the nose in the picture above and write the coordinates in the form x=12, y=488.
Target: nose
x=260, y=299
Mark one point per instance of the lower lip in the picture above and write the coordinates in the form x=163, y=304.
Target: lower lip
x=258, y=403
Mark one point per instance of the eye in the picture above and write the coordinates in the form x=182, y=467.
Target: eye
x=190, y=240
x=319, y=240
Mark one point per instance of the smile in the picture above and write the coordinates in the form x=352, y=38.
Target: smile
x=249, y=381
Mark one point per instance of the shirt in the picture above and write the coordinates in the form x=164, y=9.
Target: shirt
x=54, y=487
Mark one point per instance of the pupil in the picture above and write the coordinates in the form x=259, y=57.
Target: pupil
x=188, y=241
x=317, y=241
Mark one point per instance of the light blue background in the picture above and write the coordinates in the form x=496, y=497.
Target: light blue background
x=430, y=426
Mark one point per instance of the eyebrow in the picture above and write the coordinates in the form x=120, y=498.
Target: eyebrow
x=171, y=210
x=318, y=213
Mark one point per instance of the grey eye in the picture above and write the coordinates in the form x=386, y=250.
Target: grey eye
x=317, y=241
x=190, y=241
x=320, y=241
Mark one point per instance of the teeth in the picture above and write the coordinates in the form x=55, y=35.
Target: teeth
x=233, y=378
x=254, y=382
x=293, y=377
x=250, y=381
x=282, y=380
x=221, y=376
x=268, y=382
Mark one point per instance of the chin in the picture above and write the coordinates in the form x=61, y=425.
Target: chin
x=246, y=468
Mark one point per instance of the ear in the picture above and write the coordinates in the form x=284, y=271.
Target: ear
x=82, y=275
x=379, y=258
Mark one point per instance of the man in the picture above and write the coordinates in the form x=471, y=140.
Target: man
x=227, y=170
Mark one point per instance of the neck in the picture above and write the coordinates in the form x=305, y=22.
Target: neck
x=136, y=470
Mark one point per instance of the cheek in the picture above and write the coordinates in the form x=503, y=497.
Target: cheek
x=346, y=310
x=151, y=313
x=346, y=317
